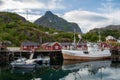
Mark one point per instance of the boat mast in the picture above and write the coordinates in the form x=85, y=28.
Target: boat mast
x=27, y=14
x=99, y=37
x=74, y=43
x=74, y=37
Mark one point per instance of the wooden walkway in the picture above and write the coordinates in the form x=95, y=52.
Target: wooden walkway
x=115, y=57
x=55, y=55
x=7, y=56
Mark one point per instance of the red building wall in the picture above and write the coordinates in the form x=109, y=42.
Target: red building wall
x=54, y=46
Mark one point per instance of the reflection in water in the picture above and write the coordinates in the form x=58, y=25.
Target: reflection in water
x=87, y=70
x=95, y=70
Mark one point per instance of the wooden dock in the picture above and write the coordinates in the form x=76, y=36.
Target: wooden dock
x=55, y=55
x=8, y=56
x=115, y=57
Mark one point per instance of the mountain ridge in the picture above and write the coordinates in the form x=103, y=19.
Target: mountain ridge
x=53, y=21
x=109, y=27
x=16, y=29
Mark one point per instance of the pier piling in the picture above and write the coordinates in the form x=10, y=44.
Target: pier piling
x=115, y=56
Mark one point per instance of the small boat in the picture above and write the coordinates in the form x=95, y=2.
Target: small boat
x=21, y=63
x=25, y=63
x=46, y=60
x=30, y=63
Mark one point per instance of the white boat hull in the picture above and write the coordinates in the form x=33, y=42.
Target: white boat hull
x=80, y=55
x=29, y=63
x=23, y=65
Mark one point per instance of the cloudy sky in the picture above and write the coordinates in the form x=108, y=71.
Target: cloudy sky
x=88, y=14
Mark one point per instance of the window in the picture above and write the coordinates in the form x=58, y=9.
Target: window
x=25, y=47
x=56, y=47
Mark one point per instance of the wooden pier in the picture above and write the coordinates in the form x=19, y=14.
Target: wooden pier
x=8, y=56
x=115, y=56
x=55, y=55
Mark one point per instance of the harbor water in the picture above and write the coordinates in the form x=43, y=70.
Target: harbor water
x=68, y=70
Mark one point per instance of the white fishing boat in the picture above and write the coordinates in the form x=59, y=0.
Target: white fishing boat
x=93, y=52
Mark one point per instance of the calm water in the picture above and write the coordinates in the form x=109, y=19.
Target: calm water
x=95, y=70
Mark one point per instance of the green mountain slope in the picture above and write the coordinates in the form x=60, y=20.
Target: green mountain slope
x=53, y=21
x=93, y=35
x=15, y=29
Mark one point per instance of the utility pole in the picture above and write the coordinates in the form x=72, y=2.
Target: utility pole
x=99, y=37
x=27, y=14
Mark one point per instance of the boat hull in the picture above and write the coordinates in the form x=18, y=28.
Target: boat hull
x=81, y=55
x=71, y=57
x=28, y=66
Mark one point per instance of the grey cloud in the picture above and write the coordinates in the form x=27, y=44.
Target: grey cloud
x=1, y=2
x=95, y=18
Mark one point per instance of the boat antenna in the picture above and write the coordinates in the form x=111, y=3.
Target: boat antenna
x=99, y=37
x=74, y=38
x=27, y=14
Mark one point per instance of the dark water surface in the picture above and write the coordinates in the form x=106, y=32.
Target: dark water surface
x=94, y=70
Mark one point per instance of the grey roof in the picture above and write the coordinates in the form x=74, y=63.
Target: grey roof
x=29, y=44
x=50, y=43
x=66, y=43
x=71, y=43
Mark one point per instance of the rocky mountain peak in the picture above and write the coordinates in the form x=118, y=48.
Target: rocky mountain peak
x=48, y=13
x=51, y=20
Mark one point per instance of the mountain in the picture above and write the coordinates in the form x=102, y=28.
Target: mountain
x=113, y=30
x=53, y=21
x=15, y=29
x=7, y=17
x=109, y=27
x=113, y=27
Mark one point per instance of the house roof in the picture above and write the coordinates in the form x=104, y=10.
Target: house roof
x=66, y=43
x=50, y=43
x=44, y=44
x=29, y=44
x=109, y=37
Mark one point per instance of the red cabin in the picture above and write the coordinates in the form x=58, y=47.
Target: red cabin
x=30, y=46
x=52, y=46
x=66, y=45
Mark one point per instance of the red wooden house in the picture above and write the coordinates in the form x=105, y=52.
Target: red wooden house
x=70, y=45
x=52, y=46
x=66, y=45
x=30, y=46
